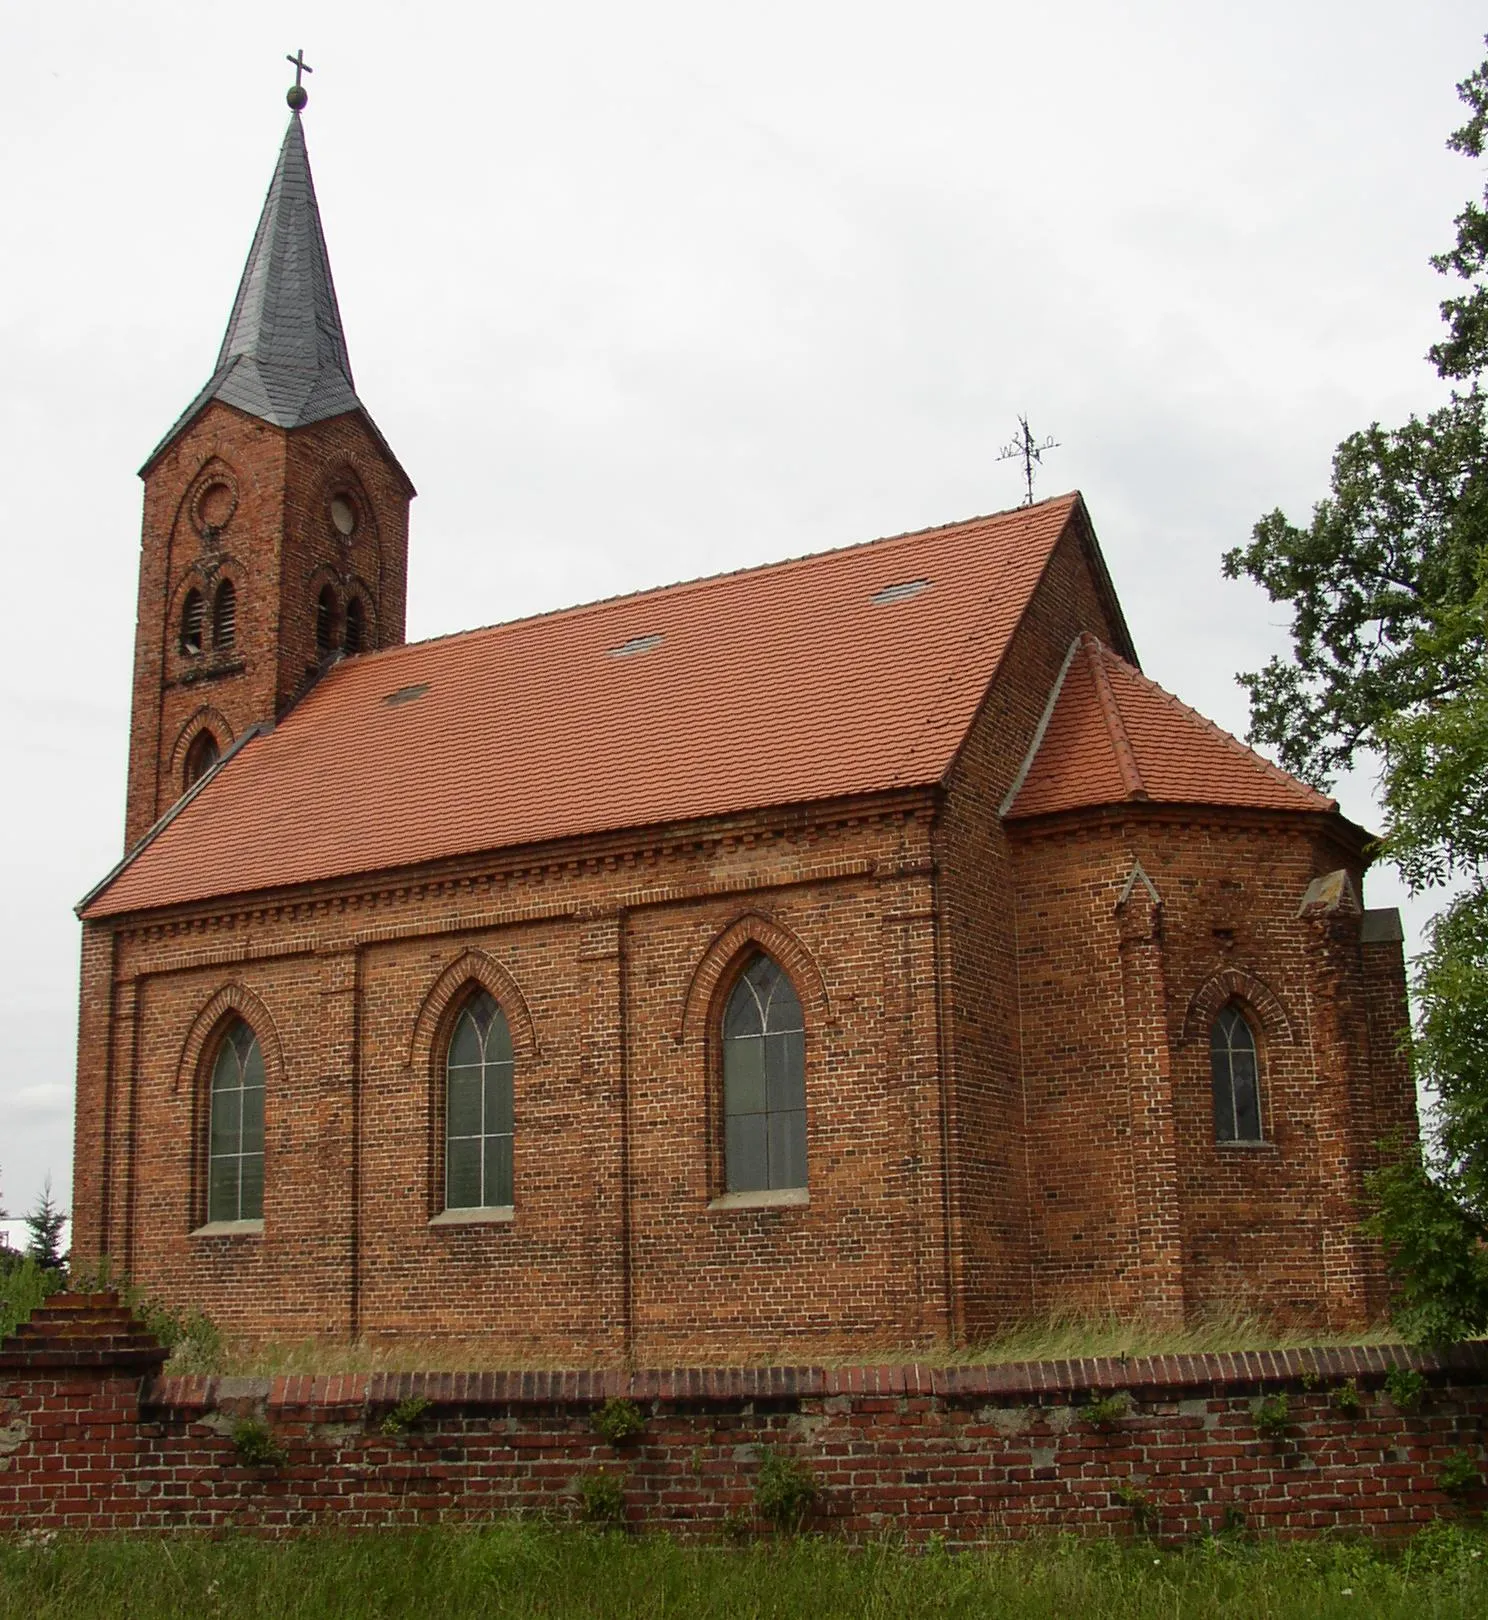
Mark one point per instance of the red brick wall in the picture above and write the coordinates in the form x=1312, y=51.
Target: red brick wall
x=278, y=547
x=967, y=1454
x=1116, y=1054
x=612, y=964
x=983, y=1062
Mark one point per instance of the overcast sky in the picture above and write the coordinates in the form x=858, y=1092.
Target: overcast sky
x=643, y=292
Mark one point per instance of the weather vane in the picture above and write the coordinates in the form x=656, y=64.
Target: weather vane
x=297, y=95
x=1025, y=450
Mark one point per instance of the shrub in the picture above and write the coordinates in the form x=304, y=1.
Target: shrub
x=406, y=1415
x=24, y=1284
x=785, y=1492
x=1274, y=1416
x=1347, y=1399
x=255, y=1444
x=1459, y=1474
x=1108, y=1410
x=601, y=1498
x=1405, y=1387
x=619, y=1422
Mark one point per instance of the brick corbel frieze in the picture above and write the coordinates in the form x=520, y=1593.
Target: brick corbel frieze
x=1149, y=1075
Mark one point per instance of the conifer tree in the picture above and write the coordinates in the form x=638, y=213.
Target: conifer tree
x=45, y=1223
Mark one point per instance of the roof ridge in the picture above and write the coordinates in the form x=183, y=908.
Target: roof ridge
x=1121, y=746
x=698, y=582
x=1226, y=737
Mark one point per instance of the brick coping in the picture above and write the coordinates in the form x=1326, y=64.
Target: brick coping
x=1156, y=1377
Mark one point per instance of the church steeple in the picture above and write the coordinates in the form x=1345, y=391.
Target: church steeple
x=284, y=357
x=276, y=516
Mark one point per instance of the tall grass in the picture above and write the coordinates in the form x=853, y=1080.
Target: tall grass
x=523, y=1570
x=1065, y=1337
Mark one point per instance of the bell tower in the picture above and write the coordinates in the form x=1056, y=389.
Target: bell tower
x=275, y=536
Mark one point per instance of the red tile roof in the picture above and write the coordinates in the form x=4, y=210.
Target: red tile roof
x=776, y=685
x=1113, y=735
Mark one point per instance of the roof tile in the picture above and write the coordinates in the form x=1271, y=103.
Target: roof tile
x=1113, y=736
x=776, y=685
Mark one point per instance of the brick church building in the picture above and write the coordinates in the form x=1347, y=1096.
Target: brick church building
x=857, y=951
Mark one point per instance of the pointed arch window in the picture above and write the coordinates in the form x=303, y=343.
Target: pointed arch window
x=235, y=1155
x=478, y=1116
x=193, y=618
x=1234, y=1071
x=225, y=616
x=326, y=616
x=764, y=1082
x=201, y=756
x=356, y=625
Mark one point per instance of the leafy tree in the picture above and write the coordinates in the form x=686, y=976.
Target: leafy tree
x=44, y=1224
x=1388, y=587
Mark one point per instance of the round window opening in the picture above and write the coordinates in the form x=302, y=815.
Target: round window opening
x=343, y=515
x=216, y=505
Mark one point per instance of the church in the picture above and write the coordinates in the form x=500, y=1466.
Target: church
x=856, y=953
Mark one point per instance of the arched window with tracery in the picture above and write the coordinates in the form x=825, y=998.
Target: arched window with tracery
x=326, y=621
x=225, y=616
x=356, y=625
x=764, y=1082
x=478, y=1115
x=235, y=1154
x=193, y=618
x=1235, y=1073
x=201, y=756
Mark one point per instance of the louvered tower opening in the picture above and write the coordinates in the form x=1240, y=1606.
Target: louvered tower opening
x=225, y=616
x=356, y=625
x=325, y=622
x=193, y=613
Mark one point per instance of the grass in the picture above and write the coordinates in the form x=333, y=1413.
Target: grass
x=528, y=1569
x=1054, y=1338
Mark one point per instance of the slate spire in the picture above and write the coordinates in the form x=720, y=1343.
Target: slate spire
x=283, y=357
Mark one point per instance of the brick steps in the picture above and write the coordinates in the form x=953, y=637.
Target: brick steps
x=83, y=1330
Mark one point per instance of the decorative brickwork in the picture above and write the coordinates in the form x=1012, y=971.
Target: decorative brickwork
x=90, y=1440
x=275, y=540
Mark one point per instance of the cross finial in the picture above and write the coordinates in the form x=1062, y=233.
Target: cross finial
x=1025, y=450
x=297, y=95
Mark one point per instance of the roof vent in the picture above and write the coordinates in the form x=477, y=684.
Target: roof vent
x=636, y=644
x=405, y=694
x=901, y=592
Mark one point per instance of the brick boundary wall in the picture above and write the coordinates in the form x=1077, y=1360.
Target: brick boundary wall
x=93, y=1439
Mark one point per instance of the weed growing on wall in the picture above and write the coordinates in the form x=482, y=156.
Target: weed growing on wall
x=1347, y=1400
x=1143, y=1507
x=1108, y=1410
x=1274, y=1417
x=1405, y=1387
x=1459, y=1474
x=601, y=1498
x=619, y=1422
x=255, y=1444
x=786, y=1491
x=406, y=1415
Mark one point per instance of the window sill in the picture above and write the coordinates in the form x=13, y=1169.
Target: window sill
x=230, y=1229
x=1262, y=1146
x=762, y=1198
x=490, y=1215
